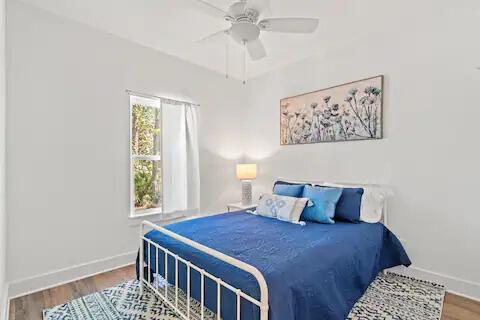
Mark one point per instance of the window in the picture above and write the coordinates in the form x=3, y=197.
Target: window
x=146, y=156
x=164, y=157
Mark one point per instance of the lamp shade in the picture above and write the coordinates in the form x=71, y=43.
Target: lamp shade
x=246, y=171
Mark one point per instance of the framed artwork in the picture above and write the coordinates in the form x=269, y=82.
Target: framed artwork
x=351, y=111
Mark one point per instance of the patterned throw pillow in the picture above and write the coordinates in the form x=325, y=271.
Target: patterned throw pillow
x=281, y=207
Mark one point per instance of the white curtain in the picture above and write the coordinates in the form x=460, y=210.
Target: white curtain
x=181, y=174
x=193, y=163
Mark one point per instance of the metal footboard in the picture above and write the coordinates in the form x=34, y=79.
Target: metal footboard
x=174, y=304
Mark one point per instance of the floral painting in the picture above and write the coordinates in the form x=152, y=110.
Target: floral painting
x=351, y=111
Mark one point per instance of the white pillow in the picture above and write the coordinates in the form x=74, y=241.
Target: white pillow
x=281, y=207
x=373, y=201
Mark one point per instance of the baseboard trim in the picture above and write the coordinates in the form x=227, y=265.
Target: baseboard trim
x=460, y=287
x=55, y=278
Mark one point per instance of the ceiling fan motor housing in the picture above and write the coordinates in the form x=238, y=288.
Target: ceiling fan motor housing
x=244, y=22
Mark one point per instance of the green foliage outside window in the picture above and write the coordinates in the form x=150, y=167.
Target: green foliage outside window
x=146, y=135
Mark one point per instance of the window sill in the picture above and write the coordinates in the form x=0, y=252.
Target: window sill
x=158, y=217
x=148, y=213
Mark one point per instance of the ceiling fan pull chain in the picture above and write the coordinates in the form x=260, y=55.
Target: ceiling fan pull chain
x=244, y=62
x=227, y=47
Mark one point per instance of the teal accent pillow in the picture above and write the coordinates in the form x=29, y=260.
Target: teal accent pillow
x=289, y=190
x=324, y=203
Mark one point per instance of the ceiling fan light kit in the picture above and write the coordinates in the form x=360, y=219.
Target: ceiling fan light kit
x=246, y=28
x=244, y=32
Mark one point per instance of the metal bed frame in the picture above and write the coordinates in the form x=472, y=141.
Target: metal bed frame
x=262, y=303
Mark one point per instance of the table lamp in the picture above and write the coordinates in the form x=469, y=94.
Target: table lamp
x=246, y=173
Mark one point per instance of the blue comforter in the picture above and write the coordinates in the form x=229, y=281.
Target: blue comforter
x=316, y=271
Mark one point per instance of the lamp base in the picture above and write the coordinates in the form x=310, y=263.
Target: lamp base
x=246, y=192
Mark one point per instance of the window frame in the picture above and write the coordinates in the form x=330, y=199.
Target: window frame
x=132, y=158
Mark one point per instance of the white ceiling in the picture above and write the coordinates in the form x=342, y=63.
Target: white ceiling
x=174, y=26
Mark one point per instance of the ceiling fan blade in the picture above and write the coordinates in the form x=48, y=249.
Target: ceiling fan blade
x=214, y=36
x=207, y=8
x=237, y=8
x=260, y=6
x=256, y=50
x=291, y=25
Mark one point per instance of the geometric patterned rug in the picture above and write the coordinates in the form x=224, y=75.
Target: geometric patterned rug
x=125, y=302
x=397, y=297
x=389, y=297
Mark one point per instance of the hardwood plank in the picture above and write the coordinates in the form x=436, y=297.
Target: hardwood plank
x=19, y=307
x=58, y=295
x=471, y=305
x=35, y=306
x=460, y=308
x=128, y=273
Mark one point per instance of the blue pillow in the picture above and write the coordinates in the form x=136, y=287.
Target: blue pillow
x=324, y=202
x=277, y=182
x=349, y=204
x=289, y=190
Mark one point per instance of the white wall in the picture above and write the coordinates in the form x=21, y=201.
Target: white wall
x=430, y=152
x=67, y=143
x=67, y=136
x=3, y=214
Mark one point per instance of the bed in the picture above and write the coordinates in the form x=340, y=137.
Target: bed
x=276, y=270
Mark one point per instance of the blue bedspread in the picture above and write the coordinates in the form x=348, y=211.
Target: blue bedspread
x=317, y=271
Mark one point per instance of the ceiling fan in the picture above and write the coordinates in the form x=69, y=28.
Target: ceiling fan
x=246, y=25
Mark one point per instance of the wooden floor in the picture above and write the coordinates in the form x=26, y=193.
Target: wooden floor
x=459, y=308
x=30, y=306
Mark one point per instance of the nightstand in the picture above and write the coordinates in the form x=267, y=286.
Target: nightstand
x=239, y=206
